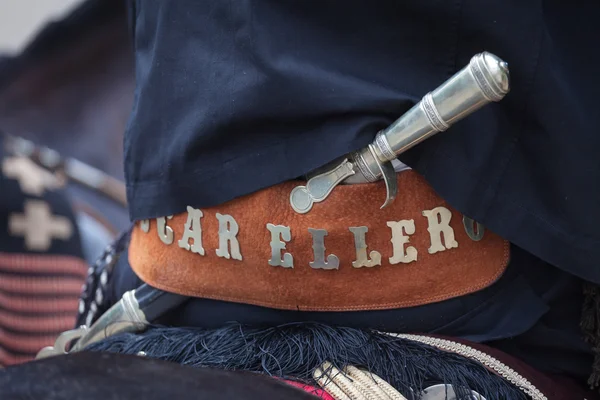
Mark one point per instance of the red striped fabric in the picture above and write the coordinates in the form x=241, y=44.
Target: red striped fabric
x=311, y=389
x=35, y=324
x=25, y=343
x=24, y=303
x=38, y=300
x=43, y=264
x=8, y=358
x=47, y=286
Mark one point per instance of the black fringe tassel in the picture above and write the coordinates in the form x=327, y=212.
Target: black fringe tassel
x=293, y=351
x=590, y=324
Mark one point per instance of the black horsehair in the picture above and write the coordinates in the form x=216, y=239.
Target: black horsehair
x=293, y=351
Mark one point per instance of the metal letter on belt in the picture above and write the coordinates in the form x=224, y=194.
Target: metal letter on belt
x=484, y=80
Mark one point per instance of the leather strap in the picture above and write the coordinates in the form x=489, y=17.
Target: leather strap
x=446, y=261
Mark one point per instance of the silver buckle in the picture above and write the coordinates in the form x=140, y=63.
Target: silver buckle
x=61, y=345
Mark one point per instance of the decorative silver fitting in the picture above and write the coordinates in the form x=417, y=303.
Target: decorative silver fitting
x=318, y=187
x=485, y=79
x=124, y=316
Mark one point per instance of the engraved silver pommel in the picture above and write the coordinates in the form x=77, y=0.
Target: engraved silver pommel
x=484, y=80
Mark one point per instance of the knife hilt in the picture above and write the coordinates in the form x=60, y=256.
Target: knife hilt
x=133, y=313
x=484, y=80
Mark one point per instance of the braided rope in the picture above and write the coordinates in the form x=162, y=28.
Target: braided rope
x=354, y=384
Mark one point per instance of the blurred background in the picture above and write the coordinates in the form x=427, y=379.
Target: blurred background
x=66, y=90
x=20, y=20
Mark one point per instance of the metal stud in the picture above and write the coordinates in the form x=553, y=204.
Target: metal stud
x=279, y=232
x=165, y=232
x=333, y=262
x=360, y=244
x=471, y=226
x=400, y=236
x=439, y=226
x=228, y=230
x=445, y=392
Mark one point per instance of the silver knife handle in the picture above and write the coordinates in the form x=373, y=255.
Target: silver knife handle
x=123, y=316
x=484, y=80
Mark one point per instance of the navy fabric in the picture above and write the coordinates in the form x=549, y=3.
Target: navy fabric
x=236, y=96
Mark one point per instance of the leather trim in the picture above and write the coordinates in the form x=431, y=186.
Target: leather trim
x=453, y=272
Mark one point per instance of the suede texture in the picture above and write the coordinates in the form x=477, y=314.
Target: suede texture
x=468, y=268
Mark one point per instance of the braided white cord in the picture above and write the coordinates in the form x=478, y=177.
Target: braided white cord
x=328, y=374
x=374, y=383
x=354, y=384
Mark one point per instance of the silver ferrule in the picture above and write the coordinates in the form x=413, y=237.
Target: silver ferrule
x=124, y=316
x=484, y=80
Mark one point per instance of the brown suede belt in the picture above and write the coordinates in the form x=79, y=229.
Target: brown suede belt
x=418, y=250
